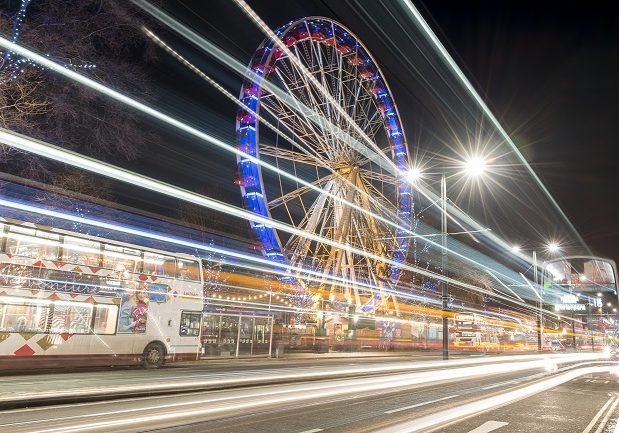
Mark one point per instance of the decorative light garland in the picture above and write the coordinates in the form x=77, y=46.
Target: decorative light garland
x=16, y=64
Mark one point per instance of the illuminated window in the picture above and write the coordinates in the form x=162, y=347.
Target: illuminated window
x=188, y=270
x=156, y=264
x=23, y=317
x=105, y=319
x=190, y=323
x=35, y=244
x=71, y=318
x=81, y=251
x=120, y=258
x=57, y=317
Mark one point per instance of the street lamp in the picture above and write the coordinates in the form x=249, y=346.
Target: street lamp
x=473, y=167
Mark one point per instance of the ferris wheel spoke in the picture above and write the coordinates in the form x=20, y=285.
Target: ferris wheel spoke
x=290, y=155
x=309, y=121
x=381, y=177
x=372, y=276
x=341, y=226
x=319, y=215
x=378, y=202
x=353, y=277
x=322, y=78
x=280, y=114
x=297, y=193
x=317, y=96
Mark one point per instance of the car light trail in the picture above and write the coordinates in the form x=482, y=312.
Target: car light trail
x=241, y=69
x=71, y=158
x=258, y=377
x=277, y=131
x=461, y=412
x=169, y=239
x=62, y=155
x=303, y=70
x=176, y=192
x=80, y=161
x=224, y=402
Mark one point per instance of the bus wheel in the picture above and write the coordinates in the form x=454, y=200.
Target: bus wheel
x=153, y=355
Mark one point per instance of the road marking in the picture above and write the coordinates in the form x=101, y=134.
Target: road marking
x=598, y=415
x=488, y=426
x=496, y=385
x=315, y=430
x=422, y=404
x=607, y=416
x=457, y=413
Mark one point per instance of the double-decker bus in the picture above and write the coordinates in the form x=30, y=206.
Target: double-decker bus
x=478, y=331
x=472, y=331
x=68, y=299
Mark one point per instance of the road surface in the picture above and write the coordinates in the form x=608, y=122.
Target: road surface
x=577, y=396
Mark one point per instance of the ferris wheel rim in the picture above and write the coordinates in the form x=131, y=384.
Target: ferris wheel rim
x=255, y=197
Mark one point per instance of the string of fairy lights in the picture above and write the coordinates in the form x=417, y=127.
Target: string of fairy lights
x=16, y=65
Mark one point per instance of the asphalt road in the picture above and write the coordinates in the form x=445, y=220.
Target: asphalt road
x=387, y=402
x=18, y=391
x=587, y=404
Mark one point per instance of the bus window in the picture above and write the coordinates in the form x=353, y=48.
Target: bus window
x=23, y=317
x=32, y=243
x=120, y=259
x=188, y=270
x=105, y=319
x=81, y=251
x=71, y=318
x=190, y=323
x=156, y=264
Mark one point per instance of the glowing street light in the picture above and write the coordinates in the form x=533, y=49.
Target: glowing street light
x=516, y=249
x=553, y=247
x=475, y=166
x=413, y=175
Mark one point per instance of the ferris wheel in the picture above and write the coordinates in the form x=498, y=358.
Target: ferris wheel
x=320, y=109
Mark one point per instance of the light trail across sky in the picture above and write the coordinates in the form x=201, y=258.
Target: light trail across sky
x=57, y=153
x=74, y=159
x=232, y=63
x=416, y=16
x=217, y=205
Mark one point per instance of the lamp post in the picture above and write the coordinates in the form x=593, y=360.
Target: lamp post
x=474, y=167
x=445, y=285
x=553, y=248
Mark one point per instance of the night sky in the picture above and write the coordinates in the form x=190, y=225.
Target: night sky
x=546, y=69
x=549, y=70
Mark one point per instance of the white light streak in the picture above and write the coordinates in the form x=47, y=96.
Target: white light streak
x=463, y=411
x=469, y=87
x=531, y=286
x=71, y=158
x=221, y=403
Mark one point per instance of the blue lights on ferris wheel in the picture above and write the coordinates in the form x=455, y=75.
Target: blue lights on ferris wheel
x=263, y=63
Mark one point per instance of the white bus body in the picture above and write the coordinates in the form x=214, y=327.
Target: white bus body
x=68, y=299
